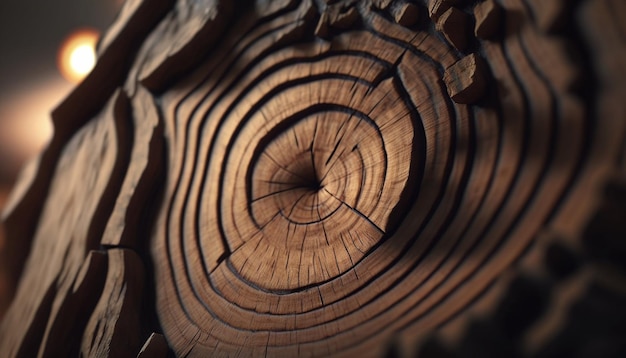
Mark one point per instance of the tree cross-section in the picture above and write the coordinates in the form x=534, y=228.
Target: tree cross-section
x=332, y=178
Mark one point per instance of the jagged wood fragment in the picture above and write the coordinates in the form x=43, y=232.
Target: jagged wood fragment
x=182, y=39
x=114, y=60
x=115, y=55
x=466, y=80
x=406, y=14
x=342, y=18
x=60, y=339
x=135, y=16
x=114, y=326
x=139, y=182
x=488, y=15
x=454, y=25
x=81, y=195
x=436, y=8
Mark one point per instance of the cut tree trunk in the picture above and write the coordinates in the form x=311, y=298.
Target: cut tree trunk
x=332, y=178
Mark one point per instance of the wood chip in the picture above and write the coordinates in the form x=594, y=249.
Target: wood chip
x=407, y=14
x=488, y=16
x=436, y=8
x=454, y=24
x=466, y=79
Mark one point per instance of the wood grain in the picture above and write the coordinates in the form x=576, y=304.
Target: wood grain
x=332, y=178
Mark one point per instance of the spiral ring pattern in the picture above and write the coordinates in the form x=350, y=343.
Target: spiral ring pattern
x=331, y=178
x=330, y=193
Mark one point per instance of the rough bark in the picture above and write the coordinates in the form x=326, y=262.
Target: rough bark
x=345, y=178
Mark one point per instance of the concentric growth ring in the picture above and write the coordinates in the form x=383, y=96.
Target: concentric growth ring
x=324, y=195
x=320, y=191
x=330, y=178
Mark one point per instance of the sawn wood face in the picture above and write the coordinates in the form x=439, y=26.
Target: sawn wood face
x=330, y=178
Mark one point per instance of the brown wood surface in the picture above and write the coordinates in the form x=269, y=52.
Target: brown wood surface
x=332, y=178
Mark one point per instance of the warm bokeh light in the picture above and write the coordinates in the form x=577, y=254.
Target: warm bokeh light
x=78, y=55
x=25, y=125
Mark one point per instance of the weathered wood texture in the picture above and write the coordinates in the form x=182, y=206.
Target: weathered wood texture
x=332, y=178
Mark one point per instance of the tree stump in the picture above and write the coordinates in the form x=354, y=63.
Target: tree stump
x=332, y=178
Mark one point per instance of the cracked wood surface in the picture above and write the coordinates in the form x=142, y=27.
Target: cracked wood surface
x=330, y=178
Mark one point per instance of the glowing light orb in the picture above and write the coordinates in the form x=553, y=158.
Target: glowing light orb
x=77, y=55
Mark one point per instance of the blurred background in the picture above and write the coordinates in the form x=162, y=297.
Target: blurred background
x=46, y=47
